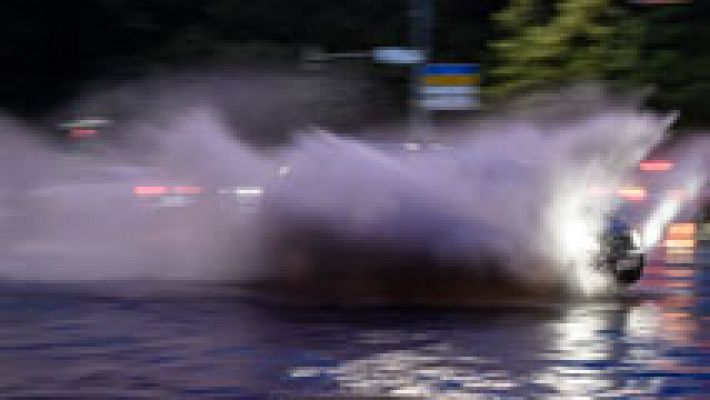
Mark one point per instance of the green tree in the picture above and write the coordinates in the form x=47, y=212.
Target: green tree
x=574, y=40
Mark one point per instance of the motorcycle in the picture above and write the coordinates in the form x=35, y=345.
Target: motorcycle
x=620, y=252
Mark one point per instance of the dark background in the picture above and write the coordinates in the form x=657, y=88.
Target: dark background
x=51, y=51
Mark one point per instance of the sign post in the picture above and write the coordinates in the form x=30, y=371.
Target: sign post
x=421, y=15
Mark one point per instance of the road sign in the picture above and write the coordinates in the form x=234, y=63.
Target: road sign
x=450, y=103
x=450, y=86
x=448, y=90
x=398, y=55
x=451, y=69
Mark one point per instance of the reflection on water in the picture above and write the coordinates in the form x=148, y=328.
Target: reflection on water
x=606, y=350
x=652, y=342
x=426, y=371
x=679, y=256
x=600, y=349
x=642, y=347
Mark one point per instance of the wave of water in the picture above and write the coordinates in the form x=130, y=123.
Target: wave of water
x=507, y=196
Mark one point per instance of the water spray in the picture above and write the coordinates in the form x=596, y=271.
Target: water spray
x=506, y=200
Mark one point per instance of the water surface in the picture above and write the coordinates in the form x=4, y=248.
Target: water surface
x=63, y=340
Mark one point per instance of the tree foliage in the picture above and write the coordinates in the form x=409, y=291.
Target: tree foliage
x=572, y=41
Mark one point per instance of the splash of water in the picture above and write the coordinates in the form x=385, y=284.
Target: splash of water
x=509, y=197
x=515, y=191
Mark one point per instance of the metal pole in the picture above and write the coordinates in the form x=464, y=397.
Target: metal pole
x=420, y=26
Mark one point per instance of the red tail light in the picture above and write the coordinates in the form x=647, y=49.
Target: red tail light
x=79, y=133
x=187, y=189
x=656, y=165
x=633, y=193
x=145, y=191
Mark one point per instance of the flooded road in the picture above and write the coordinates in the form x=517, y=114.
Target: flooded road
x=652, y=342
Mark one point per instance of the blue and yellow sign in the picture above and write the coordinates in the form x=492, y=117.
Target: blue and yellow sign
x=450, y=86
x=451, y=75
